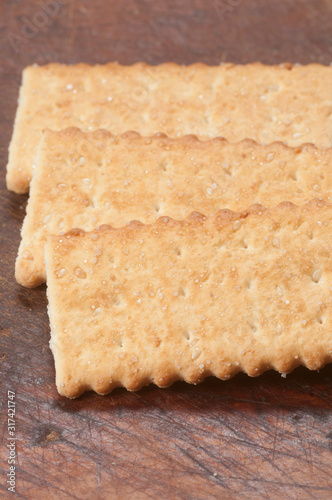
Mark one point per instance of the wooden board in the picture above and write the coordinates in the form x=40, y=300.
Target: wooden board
x=268, y=437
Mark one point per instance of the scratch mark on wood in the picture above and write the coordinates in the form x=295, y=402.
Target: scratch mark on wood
x=98, y=463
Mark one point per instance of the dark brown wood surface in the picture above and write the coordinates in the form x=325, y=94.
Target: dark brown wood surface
x=268, y=437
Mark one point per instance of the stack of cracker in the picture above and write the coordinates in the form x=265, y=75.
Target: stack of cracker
x=181, y=217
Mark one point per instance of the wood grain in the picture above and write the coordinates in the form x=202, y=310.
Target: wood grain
x=244, y=439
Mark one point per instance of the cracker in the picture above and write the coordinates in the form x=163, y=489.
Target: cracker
x=187, y=299
x=87, y=179
x=290, y=103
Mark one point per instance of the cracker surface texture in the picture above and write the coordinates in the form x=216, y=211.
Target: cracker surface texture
x=83, y=180
x=184, y=300
x=290, y=103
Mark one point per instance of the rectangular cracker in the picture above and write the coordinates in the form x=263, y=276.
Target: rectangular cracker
x=83, y=180
x=187, y=299
x=290, y=103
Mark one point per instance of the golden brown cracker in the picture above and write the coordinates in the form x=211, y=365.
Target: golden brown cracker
x=289, y=103
x=187, y=299
x=87, y=179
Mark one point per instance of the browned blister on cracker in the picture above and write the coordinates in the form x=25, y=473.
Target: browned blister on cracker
x=290, y=103
x=83, y=180
x=183, y=300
